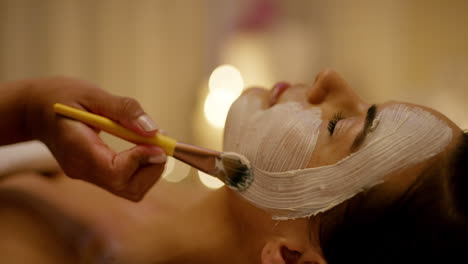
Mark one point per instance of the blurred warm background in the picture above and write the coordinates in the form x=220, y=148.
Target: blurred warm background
x=167, y=53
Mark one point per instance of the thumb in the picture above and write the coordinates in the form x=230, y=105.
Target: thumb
x=126, y=111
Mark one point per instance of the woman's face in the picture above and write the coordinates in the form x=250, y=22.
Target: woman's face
x=327, y=126
x=328, y=131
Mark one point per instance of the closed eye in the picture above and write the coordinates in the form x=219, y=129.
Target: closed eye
x=334, y=121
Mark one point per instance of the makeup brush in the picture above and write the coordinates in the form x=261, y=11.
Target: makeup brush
x=231, y=168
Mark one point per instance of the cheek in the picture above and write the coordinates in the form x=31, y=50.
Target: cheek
x=277, y=139
x=327, y=155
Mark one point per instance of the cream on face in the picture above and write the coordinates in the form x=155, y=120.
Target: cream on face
x=279, y=142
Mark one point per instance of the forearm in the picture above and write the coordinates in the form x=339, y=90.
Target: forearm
x=13, y=105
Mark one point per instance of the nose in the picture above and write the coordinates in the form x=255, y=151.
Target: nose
x=332, y=93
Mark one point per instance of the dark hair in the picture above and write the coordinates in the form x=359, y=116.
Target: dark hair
x=459, y=178
x=427, y=224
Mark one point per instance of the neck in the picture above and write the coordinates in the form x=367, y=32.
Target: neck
x=197, y=226
x=207, y=232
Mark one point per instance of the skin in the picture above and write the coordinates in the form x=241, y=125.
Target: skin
x=161, y=229
x=27, y=114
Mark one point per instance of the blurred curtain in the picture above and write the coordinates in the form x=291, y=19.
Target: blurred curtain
x=150, y=50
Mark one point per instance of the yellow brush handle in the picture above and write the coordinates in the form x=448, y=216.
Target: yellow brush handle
x=166, y=143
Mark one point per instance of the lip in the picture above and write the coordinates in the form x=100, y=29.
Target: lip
x=278, y=89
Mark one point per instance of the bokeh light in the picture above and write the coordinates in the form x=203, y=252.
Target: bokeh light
x=225, y=85
x=226, y=77
x=168, y=168
x=210, y=181
x=175, y=171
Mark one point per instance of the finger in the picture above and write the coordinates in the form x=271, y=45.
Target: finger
x=80, y=151
x=124, y=110
x=85, y=156
x=143, y=180
x=127, y=164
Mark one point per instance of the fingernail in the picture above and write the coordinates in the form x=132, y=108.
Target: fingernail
x=158, y=159
x=146, y=123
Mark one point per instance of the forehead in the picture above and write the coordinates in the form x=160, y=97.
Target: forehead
x=457, y=131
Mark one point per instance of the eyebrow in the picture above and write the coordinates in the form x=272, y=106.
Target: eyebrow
x=361, y=136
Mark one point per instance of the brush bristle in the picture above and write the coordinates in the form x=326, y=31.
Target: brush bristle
x=238, y=172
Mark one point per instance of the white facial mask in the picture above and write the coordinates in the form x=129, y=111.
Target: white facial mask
x=279, y=142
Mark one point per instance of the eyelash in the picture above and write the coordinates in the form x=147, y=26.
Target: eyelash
x=332, y=124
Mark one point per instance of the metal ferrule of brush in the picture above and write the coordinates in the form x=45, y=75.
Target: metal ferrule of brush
x=200, y=158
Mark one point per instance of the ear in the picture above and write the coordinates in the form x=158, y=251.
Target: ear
x=281, y=251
